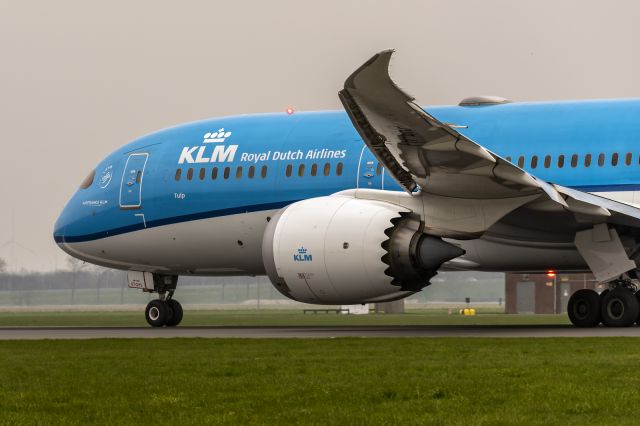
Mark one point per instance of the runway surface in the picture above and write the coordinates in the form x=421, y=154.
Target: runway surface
x=319, y=332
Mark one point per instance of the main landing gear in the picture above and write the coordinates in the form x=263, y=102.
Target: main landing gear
x=615, y=307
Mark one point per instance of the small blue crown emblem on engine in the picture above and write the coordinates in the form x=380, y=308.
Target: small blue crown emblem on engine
x=302, y=255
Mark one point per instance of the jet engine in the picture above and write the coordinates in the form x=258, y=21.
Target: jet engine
x=343, y=250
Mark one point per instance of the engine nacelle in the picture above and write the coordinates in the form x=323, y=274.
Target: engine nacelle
x=342, y=250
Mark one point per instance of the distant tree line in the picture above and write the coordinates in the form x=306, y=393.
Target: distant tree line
x=93, y=277
x=59, y=280
x=446, y=286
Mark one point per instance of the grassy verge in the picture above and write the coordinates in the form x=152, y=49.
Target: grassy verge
x=341, y=381
x=273, y=318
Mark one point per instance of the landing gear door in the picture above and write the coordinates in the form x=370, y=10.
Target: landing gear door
x=131, y=185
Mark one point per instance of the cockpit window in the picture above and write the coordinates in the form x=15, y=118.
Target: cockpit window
x=88, y=180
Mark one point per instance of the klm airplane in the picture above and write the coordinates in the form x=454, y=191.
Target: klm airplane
x=368, y=205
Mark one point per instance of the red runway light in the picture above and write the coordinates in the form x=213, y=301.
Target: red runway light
x=289, y=110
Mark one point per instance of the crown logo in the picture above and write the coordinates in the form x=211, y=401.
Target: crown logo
x=302, y=255
x=216, y=137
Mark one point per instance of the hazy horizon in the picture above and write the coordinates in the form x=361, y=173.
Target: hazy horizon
x=80, y=79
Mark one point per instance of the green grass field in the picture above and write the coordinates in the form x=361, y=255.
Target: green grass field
x=332, y=381
x=272, y=317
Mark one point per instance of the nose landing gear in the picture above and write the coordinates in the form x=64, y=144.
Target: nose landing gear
x=615, y=307
x=163, y=313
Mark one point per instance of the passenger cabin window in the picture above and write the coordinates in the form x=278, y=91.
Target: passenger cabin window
x=547, y=161
x=314, y=169
x=301, y=170
x=288, y=171
x=203, y=173
x=178, y=174
x=227, y=172
x=628, y=159
x=534, y=161
x=327, y=169
x=587, y=160
x=560, y=161
x=574, y=160
x=239, y=172
x=214, y=173
x=614, y=159
x=521, y=161
x=339, y=169
x=190, y=173
x=600, y=160
x=263, y=172
x=252, y=172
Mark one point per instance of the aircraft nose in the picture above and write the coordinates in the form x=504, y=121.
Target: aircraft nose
x=72, y=213
x=59, y=227
x=63, y=231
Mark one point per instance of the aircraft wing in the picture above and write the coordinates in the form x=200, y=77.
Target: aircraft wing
x=423, y=153
x=419, y=150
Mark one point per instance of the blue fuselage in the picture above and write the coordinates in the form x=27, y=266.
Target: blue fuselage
x=232, y=165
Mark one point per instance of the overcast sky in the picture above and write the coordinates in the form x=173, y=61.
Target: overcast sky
x=80, y=78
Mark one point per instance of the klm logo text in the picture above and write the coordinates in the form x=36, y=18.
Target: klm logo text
x=302, y=256
x=208, y=154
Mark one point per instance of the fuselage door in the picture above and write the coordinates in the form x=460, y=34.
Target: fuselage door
x=131, y=185
x=370, y=171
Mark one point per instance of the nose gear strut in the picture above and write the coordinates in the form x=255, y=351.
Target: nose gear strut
x=165, y=310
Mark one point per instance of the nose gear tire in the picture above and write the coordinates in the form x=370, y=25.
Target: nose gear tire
x=158, y=313
x=176, y=308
